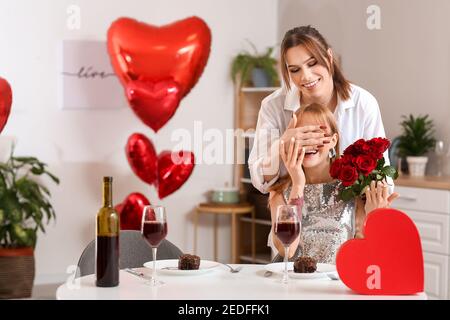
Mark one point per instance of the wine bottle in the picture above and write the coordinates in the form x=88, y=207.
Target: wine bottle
x=107, y=241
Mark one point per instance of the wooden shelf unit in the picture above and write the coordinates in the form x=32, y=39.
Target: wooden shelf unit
x=247, y=105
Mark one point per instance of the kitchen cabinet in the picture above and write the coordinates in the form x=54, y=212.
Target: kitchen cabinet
x=428, y=205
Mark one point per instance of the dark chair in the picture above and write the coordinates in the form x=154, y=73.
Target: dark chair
x=134, y=252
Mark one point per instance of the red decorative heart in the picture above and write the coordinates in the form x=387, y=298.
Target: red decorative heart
x=142, y=157
x=174, y=168
x=154, y=103
x=142, y=52
x=130, y=211
x=388, y=261
x=5, y=102
x=168, y=171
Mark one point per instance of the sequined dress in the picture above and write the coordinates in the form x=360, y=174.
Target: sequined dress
x=327, y=222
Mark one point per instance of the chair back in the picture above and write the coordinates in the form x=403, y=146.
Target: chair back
x=134, y=252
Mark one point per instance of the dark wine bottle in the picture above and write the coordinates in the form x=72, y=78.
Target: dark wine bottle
x=107, y=242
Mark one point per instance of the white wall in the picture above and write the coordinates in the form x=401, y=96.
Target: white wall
x=82, y=146
x=405, y=64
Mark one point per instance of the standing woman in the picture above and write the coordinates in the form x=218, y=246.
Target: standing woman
x=311, y=76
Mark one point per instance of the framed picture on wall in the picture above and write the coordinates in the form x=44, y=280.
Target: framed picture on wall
x=86, y=77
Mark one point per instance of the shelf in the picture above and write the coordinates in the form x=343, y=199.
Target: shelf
x=248, y=102
x=259, y=258
x=257, y=221
x=430, y=182
x=262, y=89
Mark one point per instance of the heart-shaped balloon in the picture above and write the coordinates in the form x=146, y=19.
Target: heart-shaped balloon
x=388, y=261
x=5, y=102
x=142, y=52
x=174, y=168
x=142, y=157
x=130, y=211
x=154, y=103
x=168, y=171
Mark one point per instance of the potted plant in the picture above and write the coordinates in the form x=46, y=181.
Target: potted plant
x=417, y=138
x=24, y=207
x=259, y=70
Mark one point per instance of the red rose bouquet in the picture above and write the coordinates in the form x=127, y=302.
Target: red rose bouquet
x=361, y=163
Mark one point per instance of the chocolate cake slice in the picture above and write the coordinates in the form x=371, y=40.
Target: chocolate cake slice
x=189, y=262
x=305, y=265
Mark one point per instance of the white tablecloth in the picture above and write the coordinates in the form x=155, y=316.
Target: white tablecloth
x=248, y=284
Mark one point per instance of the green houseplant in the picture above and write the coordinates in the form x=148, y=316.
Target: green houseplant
x=24, y=209
x=246, y=68
x=416, y=140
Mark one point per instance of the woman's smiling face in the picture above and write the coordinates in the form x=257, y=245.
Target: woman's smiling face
x=312, y=79
x=321, y=155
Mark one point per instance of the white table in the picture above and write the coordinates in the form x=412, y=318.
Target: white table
x=221, y=284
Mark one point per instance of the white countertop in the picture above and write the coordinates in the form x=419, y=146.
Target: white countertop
x=248, y=284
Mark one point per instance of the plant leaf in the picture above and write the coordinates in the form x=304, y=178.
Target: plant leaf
x=380, y=163
x=3, y=185
x=390, y=171
x=245, y=62
x=54, y=178
x=347, y=194
x=417, y=137
x=23, y=201
x=19, y=234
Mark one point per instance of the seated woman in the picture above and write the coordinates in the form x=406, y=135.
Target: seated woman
x=326, y=220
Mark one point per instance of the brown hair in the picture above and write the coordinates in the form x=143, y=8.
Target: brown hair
x=316, y=44
x=324, y=115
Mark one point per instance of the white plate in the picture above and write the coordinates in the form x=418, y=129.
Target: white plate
x=322, y=270
x=205, y=267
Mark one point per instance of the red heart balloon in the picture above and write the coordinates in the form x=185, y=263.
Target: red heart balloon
x=153, y=103
x=388, y=261
x=142, y=157
x=131, y=210
x=5, y=102
x=174, y=168
x=142, y=52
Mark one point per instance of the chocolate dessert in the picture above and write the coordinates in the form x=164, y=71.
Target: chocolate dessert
x=189, y=262
x=305, y=265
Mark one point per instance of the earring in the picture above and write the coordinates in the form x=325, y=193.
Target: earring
x=332, y=153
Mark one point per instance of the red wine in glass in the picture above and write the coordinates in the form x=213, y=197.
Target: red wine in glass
x=287, y=229
x=154, y=232
x=287, y=232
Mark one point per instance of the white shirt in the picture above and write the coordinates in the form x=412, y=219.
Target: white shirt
x=358, y=117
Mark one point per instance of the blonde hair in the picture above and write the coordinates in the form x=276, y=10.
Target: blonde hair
x=324, y=115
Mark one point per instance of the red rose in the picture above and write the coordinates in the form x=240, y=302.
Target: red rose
x=378, y=146
x=350, y=150
x=348, y=160
x=365, y=164
x=348, y=175
x=362, y=146
x=358, y=147
x=335, y=168
x=382, y=143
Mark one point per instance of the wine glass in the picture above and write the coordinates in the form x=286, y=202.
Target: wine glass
x=154, y=230
x=439, y=150
x=287, y=229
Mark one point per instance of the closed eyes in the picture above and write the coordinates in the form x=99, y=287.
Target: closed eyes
x=310, y=64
